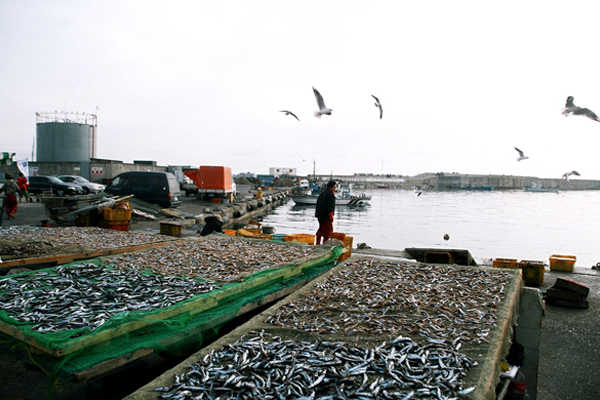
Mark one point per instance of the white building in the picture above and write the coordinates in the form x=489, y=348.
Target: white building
x=278, y=171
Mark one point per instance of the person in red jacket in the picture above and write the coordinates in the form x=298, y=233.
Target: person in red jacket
x=324, y=212
x=23, y=187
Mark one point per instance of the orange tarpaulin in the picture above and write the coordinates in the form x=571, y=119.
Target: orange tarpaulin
x=211, y=177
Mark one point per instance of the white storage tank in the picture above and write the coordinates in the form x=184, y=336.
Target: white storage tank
x=65, y=137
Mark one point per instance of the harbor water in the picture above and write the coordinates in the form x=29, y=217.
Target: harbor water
x=490, y=224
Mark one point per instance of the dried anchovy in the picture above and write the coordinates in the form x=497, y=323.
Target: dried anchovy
x=220, y=259
x=29, y=248
x=89, y=238
x=272, y=368
x=86, y=296
x=440, y=303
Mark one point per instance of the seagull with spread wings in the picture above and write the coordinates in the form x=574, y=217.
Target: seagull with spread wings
x=521, y=155
x=322, y=109
x=290, y=113
x=572, y=109
x=378, y=105
x=567, y=174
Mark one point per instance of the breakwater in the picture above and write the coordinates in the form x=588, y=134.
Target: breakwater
x=450, y=181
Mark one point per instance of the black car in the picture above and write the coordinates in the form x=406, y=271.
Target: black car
x=152, y=186
x=50, y=185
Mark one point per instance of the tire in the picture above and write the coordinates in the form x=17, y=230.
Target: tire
x=86, y=190
x=60, y=192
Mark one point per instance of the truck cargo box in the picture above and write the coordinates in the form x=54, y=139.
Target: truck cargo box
x=211, y=179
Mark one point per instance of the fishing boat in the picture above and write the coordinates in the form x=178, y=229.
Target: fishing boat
x=477, y=188
x=342, y=200
x=540, y=189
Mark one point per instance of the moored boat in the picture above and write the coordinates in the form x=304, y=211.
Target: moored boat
x=540, y=189
x=348, y=200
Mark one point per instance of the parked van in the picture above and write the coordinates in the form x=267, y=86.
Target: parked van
x=154, y=187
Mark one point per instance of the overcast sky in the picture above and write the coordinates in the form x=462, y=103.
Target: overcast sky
x=202, y=82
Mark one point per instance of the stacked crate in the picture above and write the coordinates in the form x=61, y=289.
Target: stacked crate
x=347, y=240
x=118, y=217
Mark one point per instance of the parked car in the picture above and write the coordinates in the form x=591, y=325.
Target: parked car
x=46, y=185
x=159, y=188
x=88, y=187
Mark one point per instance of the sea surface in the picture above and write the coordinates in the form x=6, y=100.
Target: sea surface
x=490, y=224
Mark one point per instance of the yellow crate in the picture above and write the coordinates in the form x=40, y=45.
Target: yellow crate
x=532, y=271
x=253, y=234
x=505, y=263
x=117, y=227
x=562, y=263
x=300, y=237
x=116, y=215
x=339, y=236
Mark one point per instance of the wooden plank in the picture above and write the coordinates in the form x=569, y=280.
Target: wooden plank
x=111, y=364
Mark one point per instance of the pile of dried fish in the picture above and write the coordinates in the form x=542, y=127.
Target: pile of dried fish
x=219, y=259
x=9, y=248
x=271, y=368
x=442, y=303
x=86, y=296
x=88, y=238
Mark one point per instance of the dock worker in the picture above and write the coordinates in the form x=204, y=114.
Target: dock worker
x=23, y=188
x=10, y=189
x=324, y=212
x=212, y=223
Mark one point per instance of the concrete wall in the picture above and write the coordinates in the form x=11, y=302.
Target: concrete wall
x=96, y=170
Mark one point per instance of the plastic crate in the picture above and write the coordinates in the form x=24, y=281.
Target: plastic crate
x=505, y=263
x=562, y=263
x=300, y=237
x=533, y=272
x=253, y=234
x=230, y=232
x=117, y=227
x=117, y=215
x=348, y=243
x=339, y=236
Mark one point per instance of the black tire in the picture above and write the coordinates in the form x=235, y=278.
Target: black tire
x=60, y=192
x=86, y=190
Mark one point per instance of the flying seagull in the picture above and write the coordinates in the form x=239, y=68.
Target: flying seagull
x=322, y=109
x=567, y=174
x=378, y=105
x=418, y=190
x=571, y=108
x=290, y=113
x=521, y=155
